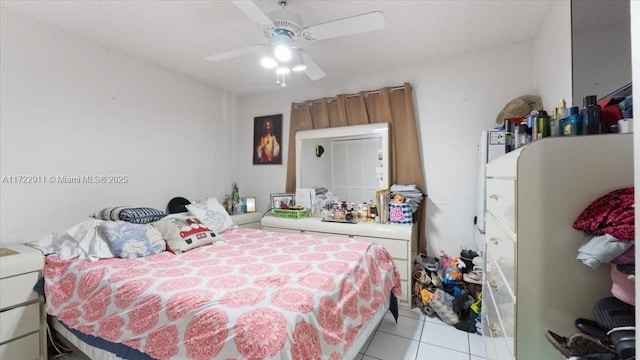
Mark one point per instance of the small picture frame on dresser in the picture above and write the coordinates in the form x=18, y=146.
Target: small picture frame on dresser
x=279, y=198
x=251, y=204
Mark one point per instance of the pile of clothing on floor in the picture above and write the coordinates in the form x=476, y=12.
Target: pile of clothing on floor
x=450, y=288
x=609, y=224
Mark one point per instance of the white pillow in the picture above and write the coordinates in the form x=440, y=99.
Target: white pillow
x=212, y=214
x=184, y=232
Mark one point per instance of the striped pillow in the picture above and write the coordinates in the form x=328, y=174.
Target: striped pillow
x=136, y=215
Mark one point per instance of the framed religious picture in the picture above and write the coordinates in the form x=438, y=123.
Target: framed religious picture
x=267, y=140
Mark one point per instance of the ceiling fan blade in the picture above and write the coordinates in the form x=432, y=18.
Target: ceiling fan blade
x=254, y=13
x=313, y=70
x=347, y=26
x=234, y=53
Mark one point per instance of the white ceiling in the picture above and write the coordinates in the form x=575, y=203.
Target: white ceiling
x=180, y=34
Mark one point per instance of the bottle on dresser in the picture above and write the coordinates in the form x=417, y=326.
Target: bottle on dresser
x=560, y=112
x=572, y=124
x=544, y=125
x=591, y=115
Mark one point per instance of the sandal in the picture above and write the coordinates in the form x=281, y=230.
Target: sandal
x=559, y=342
x=474, y=276
x=421, y=275
x=428, y=262
x=435, y=280
x=417, y=288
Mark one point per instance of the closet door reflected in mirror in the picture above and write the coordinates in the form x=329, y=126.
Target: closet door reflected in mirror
x=353, y=163
x=356, y=172
x=601, y=47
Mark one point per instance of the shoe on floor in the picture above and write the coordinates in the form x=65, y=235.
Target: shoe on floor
x=428, y=262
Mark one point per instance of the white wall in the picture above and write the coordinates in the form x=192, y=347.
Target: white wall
x=71, y=107
x=454, y=99
x=552, y=57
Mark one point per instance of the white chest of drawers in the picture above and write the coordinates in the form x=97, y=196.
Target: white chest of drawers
x=532, y=281
x=248, y=220
x=22, y=320
x=399, y=240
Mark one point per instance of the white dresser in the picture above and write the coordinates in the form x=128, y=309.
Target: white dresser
x=533, y=282
x=247, y=220
x=399, y=240
x=22, y=318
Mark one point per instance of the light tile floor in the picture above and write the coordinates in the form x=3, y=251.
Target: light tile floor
x=414, y=337
x=417, y=337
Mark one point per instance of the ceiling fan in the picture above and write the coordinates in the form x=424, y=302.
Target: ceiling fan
x=283, y=28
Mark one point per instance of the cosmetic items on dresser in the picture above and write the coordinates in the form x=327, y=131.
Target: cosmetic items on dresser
x=591, y=115
x=572, y=124
x=544, y=124
x=560, y=112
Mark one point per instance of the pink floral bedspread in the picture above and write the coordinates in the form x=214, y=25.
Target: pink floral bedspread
x=259, y=295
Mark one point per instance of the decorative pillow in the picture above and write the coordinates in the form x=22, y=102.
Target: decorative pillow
x=212, y=214
x=136, y=215
x=184, y=232
x=611, y=214
x=130, y=241
x=109, y=214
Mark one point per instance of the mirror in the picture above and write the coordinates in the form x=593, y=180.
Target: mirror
x=601, y=47
x=350, y=161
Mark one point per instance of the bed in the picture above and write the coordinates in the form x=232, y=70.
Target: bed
x=256, y=295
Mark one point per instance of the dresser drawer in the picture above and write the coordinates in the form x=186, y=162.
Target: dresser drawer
x=495, y=340
x=19, y=321
x=502, y=249
x=403, y=269
x=252, y=225
x=399, y=249
x=404, y=298
x=323, y=234
x=501, y=201
x=17, y=289
x=489, y=349
x=25, y=348
x=282, y=230
x=503, y=303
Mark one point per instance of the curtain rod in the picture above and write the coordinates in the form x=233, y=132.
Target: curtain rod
x=330, y=99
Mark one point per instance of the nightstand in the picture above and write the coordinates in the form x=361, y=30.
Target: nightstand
x=248, y=220
x=22, y=318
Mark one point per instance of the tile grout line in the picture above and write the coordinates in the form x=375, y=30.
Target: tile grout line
x=419, y=342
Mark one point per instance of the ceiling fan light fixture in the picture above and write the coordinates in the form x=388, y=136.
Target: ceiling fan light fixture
x=282, y=70
x=282, y=52
x=268, y=62
x=299, y=67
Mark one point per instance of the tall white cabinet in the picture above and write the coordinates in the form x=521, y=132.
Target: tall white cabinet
x=533, y=282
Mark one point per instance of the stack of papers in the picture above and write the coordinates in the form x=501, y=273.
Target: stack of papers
x=412, y=195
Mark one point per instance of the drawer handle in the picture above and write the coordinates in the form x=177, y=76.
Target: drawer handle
x=495, y=197
x=494, y=329
x=493, y=283
x=495, y=241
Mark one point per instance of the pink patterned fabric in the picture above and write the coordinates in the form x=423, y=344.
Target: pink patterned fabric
x=612, y=213
x=259, y=295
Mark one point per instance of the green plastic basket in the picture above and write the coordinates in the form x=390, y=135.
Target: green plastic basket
x=291, y=214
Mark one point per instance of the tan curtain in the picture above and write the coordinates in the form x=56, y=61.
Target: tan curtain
x=390, y=104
